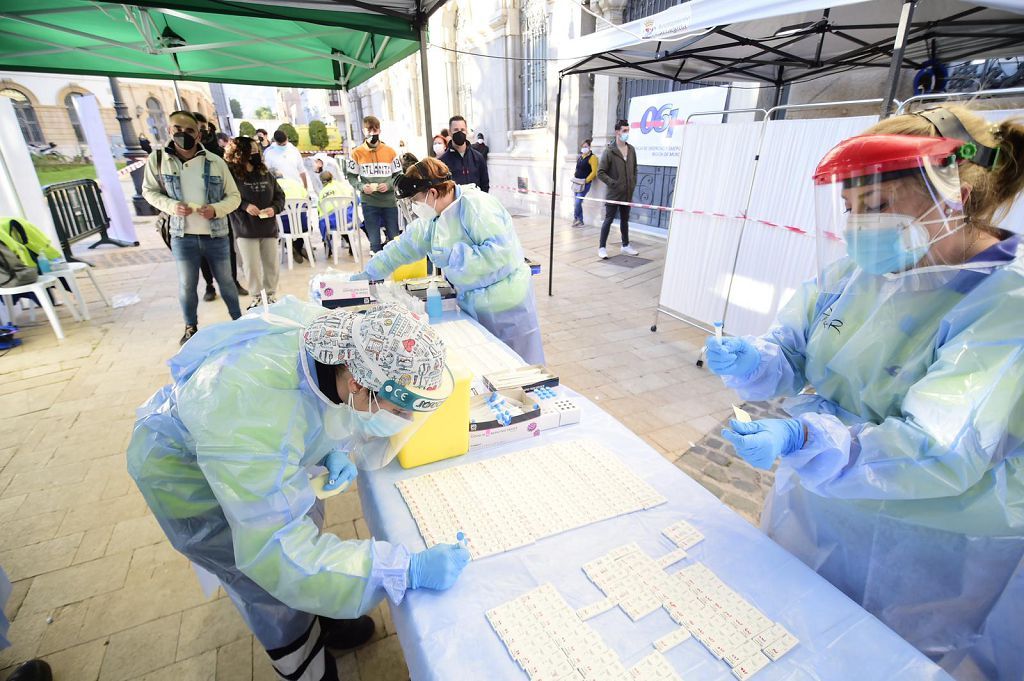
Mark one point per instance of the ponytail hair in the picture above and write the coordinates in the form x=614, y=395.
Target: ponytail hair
x=993, y=190
x=1008, y=175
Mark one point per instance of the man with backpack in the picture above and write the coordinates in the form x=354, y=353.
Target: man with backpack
x=197, y=192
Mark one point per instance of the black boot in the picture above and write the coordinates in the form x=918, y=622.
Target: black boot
x=189, y=332
x=344, y=634
x=211, y=294
x=33, y=670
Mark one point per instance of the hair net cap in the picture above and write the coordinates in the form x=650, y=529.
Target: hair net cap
x=387, y=343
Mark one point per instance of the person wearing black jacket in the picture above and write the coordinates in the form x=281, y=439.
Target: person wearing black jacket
x=466, y=163
x=254, y=222
x=481, y=146
x=208, y=138
x=208, y=135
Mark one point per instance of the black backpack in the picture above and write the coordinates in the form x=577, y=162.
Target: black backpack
x=13, y=272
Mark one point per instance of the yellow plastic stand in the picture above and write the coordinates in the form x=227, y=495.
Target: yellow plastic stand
x=445, y=433
x=416, y=270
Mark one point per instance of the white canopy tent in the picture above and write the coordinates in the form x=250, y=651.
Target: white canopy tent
x=778, y=42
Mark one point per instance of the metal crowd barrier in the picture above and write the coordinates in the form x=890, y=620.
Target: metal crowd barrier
x=78, y=213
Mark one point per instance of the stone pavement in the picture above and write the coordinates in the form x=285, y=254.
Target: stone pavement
x=98, y=591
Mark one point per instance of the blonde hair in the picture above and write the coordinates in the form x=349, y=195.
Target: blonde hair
x=992, y=189
x=432, y=169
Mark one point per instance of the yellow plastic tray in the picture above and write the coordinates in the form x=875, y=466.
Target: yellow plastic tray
x=445, y=433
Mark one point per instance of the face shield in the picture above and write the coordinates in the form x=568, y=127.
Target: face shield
x=400, y=360
x=893, y=204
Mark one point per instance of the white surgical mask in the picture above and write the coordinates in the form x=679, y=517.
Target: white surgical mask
x=424, y=210
x=371, y=444
x=384, y=423
x=584, y=150
x=438, y=149
x=883, y=243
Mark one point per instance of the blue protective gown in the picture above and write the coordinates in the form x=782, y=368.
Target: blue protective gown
x=909, y=492
x=221, y=457
x=475, y=243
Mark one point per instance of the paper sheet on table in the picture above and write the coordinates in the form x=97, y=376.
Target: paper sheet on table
x=741, y=414
x=317, y=482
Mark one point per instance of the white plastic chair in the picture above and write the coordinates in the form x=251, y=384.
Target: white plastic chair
x=338, y=205
x=294, y=209
x=67, y=274
x=38, y=287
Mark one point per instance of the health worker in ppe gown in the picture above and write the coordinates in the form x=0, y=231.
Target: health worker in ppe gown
x=470, y=236
x=221, y=456
x=901, y=477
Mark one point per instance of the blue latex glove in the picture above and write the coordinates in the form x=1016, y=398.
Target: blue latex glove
x=360, y=276
x=340, y=469
x=438, y=567
x=731, y=356
x=761, y=442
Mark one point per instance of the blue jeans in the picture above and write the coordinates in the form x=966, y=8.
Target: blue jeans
x=376, y=217
x=188, y=251
x=578, y=212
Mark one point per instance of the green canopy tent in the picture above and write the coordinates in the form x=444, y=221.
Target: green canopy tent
x=333, y=44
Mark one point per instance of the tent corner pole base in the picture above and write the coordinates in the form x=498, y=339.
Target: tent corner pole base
x=554, y=189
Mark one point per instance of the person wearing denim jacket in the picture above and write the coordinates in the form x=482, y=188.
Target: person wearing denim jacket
x=195, y=188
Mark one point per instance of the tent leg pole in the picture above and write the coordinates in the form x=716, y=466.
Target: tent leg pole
x=177, y=95
x=554, y=189
x=425, y=84
x=900, y=44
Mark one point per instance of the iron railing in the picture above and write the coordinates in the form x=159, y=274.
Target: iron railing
x=78, y=213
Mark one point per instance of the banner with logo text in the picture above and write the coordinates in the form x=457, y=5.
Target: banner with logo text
x=656, y=121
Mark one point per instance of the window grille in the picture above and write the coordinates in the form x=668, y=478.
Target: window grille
x=534, y=76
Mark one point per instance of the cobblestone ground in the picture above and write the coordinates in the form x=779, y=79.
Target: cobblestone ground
x=98, y=591
x=714, y=464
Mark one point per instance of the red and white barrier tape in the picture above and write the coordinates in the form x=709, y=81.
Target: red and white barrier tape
x=131, y=166
x=741, y=216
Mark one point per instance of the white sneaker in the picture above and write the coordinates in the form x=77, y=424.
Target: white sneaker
x=602, y=253
x=629, y=250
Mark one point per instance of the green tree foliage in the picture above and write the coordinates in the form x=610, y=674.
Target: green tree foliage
x=246, y=129
x=289, y=129
x=264, y=113
x=318, y=135
x=236, y=108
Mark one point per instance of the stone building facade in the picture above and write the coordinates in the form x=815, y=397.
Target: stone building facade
x=43, y=104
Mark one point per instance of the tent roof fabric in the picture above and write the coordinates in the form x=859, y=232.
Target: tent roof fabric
x=780, y=41
x=290, y=43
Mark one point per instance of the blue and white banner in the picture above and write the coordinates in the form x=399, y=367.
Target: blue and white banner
x=655, y=121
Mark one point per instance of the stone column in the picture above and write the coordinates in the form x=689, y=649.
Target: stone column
x=606, y=88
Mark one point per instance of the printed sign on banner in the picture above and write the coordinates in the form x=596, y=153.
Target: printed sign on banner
x=655, y=121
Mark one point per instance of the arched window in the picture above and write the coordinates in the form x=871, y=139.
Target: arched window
x=156, y=121
x=69, y=104
x=26, y=115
